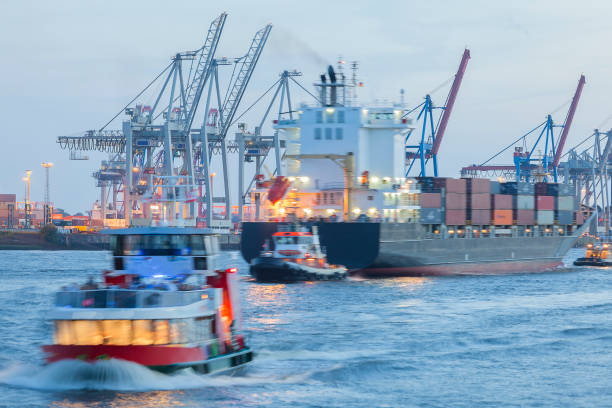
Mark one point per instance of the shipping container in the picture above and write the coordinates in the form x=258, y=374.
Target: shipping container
x=480, y=217
x=479, y=201
x=565, y=203
x=524, y=202
x=564, y=217
x=502, y=217
x=455, y=217
x=525, y=217
x=501, y=202
x=431, y=200
x=451, y=185
x=478, y=185
x=545, y=217
x=495, y=187
x=560, y=189
x=432, y=216
x=514, y=188
x=545, y=203
x=541, y=189
x=579, y=218
x=455, y=201
x=567, y=190
x=11, y=198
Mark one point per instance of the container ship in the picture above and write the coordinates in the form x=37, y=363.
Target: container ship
x=345, y=170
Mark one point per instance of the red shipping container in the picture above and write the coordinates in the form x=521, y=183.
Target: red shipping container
x=455, y=185
x=481, y=217
x=502, y=202
x=525, y=217
x=545, y=203
x=480, y=201
x=10, y=198
x=480, y=185
x=502, y=217
x=431, y=200
x=579, y=218
x=455, y=217
x=455, y=201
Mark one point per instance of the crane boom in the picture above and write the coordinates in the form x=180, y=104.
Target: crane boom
x=452, y=95
x=201, y=74
x=247, y=66
x=568, y=121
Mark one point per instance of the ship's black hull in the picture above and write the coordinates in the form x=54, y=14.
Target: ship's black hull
x=380, y=249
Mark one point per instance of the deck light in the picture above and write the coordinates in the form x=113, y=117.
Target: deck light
x=304, y=179
x=356, y=210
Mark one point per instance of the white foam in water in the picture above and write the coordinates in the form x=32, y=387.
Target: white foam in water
x=120, y=375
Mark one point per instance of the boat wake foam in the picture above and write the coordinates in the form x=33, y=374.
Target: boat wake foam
x=120, y=375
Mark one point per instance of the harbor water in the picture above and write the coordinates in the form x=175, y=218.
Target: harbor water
x=521, y=340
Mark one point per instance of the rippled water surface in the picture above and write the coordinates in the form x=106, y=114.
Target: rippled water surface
x=514, y=340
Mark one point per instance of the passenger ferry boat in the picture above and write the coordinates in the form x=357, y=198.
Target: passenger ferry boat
x=164, y=305
x=297, y=256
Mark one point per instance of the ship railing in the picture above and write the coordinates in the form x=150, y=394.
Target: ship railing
x=126, y=298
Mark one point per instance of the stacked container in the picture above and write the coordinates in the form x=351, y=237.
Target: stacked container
x=478, y=201
x=454, y=200
x=501, y=205
x=431, y=208
x=545, y=206
x=564, y=202
x=7, y=208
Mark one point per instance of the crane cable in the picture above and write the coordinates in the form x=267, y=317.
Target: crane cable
x=136, y=97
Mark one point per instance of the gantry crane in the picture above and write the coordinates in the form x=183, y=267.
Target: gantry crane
x=431, y=136
x=150, y=148
x=526, y=166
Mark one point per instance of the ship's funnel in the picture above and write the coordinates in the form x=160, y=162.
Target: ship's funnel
x=323, y=91
x=332, y=79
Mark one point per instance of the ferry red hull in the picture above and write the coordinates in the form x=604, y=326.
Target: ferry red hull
x=163, y=358
x=468, y=268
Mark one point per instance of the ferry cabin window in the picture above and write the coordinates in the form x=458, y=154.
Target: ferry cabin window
x=319, y=116
x=116, y=245
x=329, y=116
x=339, y=133
x=317, y=133
x=132, y=332
x=159, y=244
x=340, y=116
x=328, y=133
x=198, y=247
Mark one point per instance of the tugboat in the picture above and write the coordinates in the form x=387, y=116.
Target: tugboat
x=297, y=256
x=595, y=256
x=164, y=305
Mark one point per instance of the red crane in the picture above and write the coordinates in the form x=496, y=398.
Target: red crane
x=450, y=101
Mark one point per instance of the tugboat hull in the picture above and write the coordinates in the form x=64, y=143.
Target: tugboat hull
x=278, y=270
x=591, y=262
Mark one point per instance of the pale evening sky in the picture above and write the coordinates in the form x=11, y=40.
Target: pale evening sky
x=69, y=66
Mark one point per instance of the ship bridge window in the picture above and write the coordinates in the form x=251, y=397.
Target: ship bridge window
x=317, y=133
x=328, y=133
x=339, y=133
x=319, y=116
x=286, y=240
x=340, y=116
x=305, y=240
x=329, y=116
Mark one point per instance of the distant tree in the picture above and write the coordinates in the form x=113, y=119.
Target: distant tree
x=50, y=234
